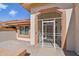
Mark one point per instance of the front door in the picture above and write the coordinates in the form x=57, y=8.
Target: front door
x=48, y=33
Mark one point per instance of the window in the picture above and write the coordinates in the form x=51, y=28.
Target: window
x=24, y=30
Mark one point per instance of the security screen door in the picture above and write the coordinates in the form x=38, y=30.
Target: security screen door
x=48, y=33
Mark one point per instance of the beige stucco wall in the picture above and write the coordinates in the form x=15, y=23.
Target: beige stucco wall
x=70, y=29
x=77, y=28
x=73, y=31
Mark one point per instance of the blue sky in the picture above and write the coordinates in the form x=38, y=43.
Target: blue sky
x=13, y=11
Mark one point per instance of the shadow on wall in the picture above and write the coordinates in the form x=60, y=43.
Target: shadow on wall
x=70, y=35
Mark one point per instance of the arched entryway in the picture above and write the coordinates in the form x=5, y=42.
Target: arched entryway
x=51, y=28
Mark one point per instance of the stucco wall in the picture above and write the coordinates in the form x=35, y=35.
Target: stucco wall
x=70, y=29
x=7, y=35
x=77, y=28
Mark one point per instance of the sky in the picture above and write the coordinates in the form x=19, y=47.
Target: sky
x=13, y=11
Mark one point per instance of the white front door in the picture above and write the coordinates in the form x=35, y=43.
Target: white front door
x=48, y=33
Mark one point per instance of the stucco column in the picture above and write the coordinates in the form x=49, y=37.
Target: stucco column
x=63, y=31
x=76, y=7
x=34, y=29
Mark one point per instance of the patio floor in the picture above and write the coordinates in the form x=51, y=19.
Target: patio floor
x=13, y=45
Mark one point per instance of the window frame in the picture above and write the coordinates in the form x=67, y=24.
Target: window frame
x=24, y=35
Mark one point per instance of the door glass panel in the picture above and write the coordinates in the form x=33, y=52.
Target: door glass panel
x=48, y=38
x=58, y=32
